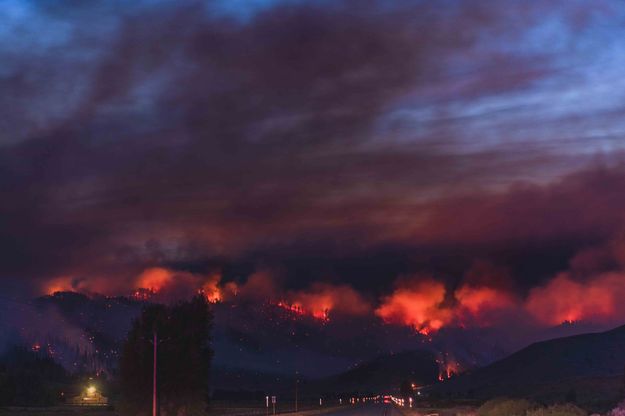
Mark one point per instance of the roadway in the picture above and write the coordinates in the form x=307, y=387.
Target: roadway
x=366, y=410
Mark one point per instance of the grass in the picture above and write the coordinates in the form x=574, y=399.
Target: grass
x=523, y=407
x=506, y=407
x=558, y=410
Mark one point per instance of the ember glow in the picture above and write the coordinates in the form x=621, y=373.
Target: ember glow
x=142, y=294
x=295, y=309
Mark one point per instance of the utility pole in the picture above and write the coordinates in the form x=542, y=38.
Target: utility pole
x=154, y=401
x=296, y=385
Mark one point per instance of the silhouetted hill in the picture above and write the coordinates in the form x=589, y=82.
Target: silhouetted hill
x=384, y=373
x=578, y=366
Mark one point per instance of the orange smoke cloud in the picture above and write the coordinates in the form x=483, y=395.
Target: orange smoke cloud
x=155, y=279
x=260, y=286
x=482, y=304
x=151, y=281
x=179, y=284
x=59, y=284
x=423, y=305
x=323, y=298
x=103, y=285
x=319, y=300
x=566, y=300
x=419, y=305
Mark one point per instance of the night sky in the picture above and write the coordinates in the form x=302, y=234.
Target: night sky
x=419, y=164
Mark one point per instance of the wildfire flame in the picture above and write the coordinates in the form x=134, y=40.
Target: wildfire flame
x=215, y=292
x=427, y=306
x=322, y=300
x=297, y=310
x=447, y=367
x=418, y=305
x=211, y=290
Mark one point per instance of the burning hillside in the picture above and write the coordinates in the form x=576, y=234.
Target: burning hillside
x=335, y=325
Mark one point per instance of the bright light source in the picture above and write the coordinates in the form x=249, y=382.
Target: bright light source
x=91, y=390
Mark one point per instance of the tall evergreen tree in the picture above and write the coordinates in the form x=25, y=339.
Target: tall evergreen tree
x=30, y=379
x=184, y=357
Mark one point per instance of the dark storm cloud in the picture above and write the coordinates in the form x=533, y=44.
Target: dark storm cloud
x=169, y=134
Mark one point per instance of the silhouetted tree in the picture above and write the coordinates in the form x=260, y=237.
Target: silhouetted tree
x=29, y=379
x=184, y=357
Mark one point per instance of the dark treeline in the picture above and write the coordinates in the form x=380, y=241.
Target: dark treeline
x=30, y=379
x=184, y=357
